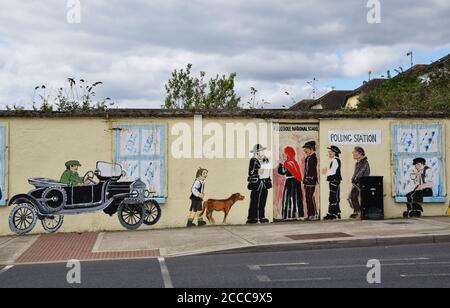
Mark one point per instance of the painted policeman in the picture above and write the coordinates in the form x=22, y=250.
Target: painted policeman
x=70, y=176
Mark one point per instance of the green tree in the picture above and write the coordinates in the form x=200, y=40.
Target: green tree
x=185, y=91
x=406, y=91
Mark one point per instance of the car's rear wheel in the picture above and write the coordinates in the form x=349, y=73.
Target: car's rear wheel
x=22, y=218
x=131, y=216
x=51, y=224
x=152, y=213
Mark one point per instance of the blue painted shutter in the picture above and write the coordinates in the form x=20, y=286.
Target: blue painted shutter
x=141, y=151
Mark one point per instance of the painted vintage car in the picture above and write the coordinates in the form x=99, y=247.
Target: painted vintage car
x=103, y=191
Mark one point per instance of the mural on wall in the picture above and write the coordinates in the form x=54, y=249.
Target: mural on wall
x=198, y=209
x=197, y=196
x=259, y=183
x=362, y=169
x=296, y=191
x=334, y=178
x=140, y=151
x=357, y=138
x=418, y=158
x=102, y=190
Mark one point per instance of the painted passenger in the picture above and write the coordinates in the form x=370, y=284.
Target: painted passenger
x=334, y=177
x=311, y=179
x=197, y=196
x=259, y=183
x=70, y=175
x=424, y=182
x=292, y=207
x=362, y=169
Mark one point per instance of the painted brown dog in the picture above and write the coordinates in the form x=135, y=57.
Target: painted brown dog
x=221, y=206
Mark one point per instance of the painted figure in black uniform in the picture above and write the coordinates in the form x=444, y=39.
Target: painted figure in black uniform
x=334, y=177
x=423, y=179
x=259, y=183
x=292, y=207
x=311, y=179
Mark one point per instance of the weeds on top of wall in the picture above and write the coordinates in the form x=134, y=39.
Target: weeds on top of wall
x=184, y=91
x=409, y=91
x=78, y=96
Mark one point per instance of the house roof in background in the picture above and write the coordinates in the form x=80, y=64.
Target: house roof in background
x=367, y=86
x=333, y=100
x=304, y=104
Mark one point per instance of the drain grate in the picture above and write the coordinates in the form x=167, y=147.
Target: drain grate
x=398, y=223
x=317, y=236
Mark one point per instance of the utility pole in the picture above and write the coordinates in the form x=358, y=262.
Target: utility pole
x=313, y=84
x=411, y=54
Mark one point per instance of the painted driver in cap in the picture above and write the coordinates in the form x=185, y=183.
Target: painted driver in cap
x=70, y=176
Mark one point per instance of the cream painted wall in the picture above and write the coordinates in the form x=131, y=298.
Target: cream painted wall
x=380, y=159
x=40, y=147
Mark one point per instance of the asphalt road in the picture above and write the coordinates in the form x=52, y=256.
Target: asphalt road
x=401, y=266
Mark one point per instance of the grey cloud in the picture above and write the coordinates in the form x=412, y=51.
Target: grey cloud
x=134, y=45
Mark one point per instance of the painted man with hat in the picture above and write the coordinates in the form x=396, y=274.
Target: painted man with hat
x=424, y=183
x=362, y=169
x=70, y=176
x=311, y=179
x=334, y=177
x=259, y=183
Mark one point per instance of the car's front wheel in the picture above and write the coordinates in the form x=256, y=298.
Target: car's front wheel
x=131, y=216
x=22, y=218
x=152, y=213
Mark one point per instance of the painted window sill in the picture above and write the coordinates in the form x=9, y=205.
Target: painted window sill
x=425, y=200
x=160, y=200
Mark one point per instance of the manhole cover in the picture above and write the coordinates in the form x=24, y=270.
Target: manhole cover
x=317, y=236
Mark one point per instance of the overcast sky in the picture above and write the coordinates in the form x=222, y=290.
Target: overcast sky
x=272, y=45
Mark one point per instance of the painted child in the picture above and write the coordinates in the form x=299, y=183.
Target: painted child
x=197, y=196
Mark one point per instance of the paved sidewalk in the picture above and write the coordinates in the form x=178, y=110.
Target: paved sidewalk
x=178, y=242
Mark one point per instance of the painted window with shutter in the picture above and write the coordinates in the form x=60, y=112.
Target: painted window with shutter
x=418, y=141
x=141, y=151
